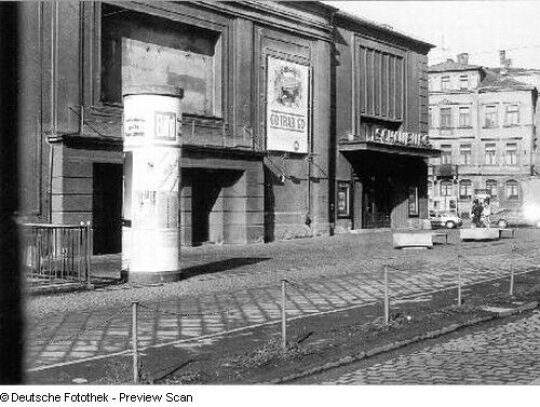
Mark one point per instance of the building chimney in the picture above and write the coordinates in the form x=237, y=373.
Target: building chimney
x=449, y=60
x=463, y=58
x=502, y=57
x=505, y=62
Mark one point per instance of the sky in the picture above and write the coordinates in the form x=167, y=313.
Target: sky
x=481, y=28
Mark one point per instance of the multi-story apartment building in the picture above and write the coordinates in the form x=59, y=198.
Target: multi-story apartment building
x=483, y=121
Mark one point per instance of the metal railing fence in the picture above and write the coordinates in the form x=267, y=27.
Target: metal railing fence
x=54, y=253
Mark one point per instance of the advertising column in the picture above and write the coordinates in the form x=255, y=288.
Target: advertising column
x=151, y=232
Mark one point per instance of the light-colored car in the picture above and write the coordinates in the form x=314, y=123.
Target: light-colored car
x=514, y=217
x=449, y=220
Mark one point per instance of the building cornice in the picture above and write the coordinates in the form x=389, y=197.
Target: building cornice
x=279, y=15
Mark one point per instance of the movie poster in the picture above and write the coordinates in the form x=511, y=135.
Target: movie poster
x=287, y=119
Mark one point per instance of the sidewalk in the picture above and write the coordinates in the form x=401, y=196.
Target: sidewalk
x=234, y=288
x=314, y=345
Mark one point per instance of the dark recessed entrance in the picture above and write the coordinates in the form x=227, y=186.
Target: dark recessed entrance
x=107, y=208
x=377, y=201
x=381, y=188
x=216, y=205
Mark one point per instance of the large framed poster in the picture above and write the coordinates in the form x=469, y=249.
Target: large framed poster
x=343, y=199
x=287, y=108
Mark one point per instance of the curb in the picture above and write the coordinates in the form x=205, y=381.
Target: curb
x=59, y=289
x=507, y=312
x=346, y=360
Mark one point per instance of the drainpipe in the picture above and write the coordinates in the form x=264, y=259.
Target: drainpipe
x=81, y=66
x=309, y=219
x=53, y=99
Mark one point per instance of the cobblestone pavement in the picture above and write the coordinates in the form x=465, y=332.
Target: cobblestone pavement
x=507, y=353
x=337, y=281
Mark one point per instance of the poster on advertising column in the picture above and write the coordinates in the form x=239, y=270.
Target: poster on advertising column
x=287, y=114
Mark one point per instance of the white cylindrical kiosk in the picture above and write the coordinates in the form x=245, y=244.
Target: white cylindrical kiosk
x=151, y=210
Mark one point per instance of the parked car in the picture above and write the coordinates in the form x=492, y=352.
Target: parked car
x=449, y=220
x=515, y=217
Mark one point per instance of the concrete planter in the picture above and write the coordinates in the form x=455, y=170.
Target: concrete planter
x=412, y=240
x=479, y=234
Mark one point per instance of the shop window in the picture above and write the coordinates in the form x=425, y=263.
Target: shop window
x=447, y=189
x=490, y=154
x=446, y=154
x=465, y=189
x=343, y=199
x=446, y=117
x=445, y=82
x=137, y=48
x=512, y=190
x=491, y=119
x=511, y=116
x=465, y=116
x=510, y=154
x=491, y=187
x=465, y=154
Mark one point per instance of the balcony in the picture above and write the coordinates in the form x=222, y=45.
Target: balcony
x=209, y=133
x=103, y=125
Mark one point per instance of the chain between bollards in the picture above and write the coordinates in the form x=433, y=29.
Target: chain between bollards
x=386, y=301
x=459, y=281
x=283, y=318
x=134, y=306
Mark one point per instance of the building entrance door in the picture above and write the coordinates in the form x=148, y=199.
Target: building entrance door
x=377, y=202
x=107, y=208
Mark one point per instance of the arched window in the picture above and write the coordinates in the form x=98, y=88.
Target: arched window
x=492, y=188
x=512, y=189
x=447, y=188
x=465, y=189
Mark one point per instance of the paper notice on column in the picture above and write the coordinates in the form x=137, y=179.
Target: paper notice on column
x=155, y=187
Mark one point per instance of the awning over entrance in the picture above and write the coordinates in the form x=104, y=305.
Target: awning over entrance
x=362, y=145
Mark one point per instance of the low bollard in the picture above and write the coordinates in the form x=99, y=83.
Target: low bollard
x=89, y=237
x=134, y=306
x=386, y=300
x=459, y=281
x=512, y=270
x=283, y=319
x=90, y=245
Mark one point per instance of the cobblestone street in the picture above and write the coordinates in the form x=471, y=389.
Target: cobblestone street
x=508, y=353
x=329, y=273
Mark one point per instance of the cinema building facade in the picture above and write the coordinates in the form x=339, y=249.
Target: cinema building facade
x=297, y=119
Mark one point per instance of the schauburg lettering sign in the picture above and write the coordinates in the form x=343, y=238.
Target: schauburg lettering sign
x=388, y=136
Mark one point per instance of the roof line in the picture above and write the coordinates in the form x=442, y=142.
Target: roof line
x=364, y=21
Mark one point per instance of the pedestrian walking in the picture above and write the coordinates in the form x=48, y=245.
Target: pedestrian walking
x=486, y=212
x=476, y=214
